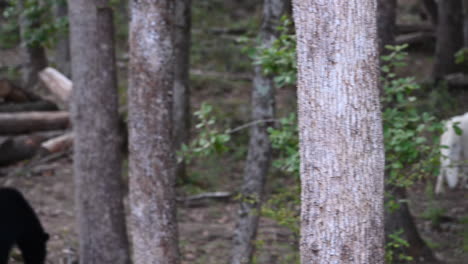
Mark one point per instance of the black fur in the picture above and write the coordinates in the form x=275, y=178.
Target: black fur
x=20, y=226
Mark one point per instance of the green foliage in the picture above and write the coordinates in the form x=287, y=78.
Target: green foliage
x=394, y=248
x=210, y=141
x=461, y=57
x=408, y=152
x=434, y=214
x=286, y=140
x=42, y=27
x=279, y=60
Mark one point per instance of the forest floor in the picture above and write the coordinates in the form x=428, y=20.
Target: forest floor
x=206, y=231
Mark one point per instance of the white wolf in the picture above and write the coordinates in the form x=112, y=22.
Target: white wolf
x=454, y=153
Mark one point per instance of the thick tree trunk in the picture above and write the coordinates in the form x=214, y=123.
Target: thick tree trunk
x=97, y=149
x=259, y=153
x=62, y=51
x=449, y=37
x=33, y=56
x=181, y=106
x=340, y=132
x=151, y=152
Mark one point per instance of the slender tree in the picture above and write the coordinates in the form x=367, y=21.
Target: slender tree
x=181, y=107
x=151, y=156
x=386, y=23
x=97, y=149
x=259, y=153
x=465, y=23
x=449, y=37
x=62, y=51
x=431, y=10
x=340, y=132
x=33, y=54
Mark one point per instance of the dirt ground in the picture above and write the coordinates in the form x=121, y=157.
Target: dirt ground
x=205, y=231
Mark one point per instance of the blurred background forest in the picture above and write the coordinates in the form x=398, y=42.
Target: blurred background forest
x=224, y=52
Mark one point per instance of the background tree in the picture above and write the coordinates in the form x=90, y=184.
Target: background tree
x=152, y=156
x=259, y=152
x=62, y=50
x=181, y=108
x=33, y=54
x=398, y=220
x=340, y=131
x=449, y=37
x=97, y=148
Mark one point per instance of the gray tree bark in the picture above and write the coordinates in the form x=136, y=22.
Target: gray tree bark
x=151, y=156
x=259, y=153
x=340, y=132
x=449, y=37
x=181, y=107
x=97, y=149
x=62, y=51
x=33, y=57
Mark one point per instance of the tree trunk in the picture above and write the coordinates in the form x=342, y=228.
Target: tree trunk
x=340, y=132
x=401, y=218
x=386, y=26
x=33, y=56
x=259, y=153
x=465, y=23
x=449, y=37
x=62, y=51
x=431, y=9
x=97, y=148
x=151, y=152
x=181, y=107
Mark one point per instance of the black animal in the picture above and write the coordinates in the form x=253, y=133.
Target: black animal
x=20, y=226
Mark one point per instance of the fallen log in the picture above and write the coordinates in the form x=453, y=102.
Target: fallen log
x=57, y=83
x=18, y=148
x=12, y=93
x=58, y=144
x=415, y=38
x=25, y=122
x=42, y=105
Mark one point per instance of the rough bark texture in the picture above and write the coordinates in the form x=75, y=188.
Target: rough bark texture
x=97, y=149
x=386, y=23
x=259, y=153
x=449, y=37
x=340, y=132
x=33, y=57
x=181, y=106
x=62, y=51
x=151, y=153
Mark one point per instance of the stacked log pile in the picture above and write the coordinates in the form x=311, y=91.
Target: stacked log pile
x=30, y=125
